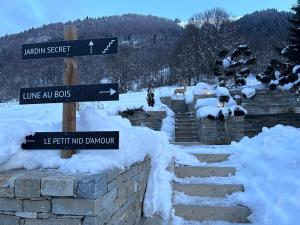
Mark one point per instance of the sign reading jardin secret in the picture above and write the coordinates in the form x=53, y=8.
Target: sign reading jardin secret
x=100, y=46
x=73, y=93
x=68, y=140
x=73, y=140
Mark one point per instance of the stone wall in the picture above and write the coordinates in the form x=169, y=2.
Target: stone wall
x=166, y=101
x=217, y=132
x=151, y=119
x=271, y=102
x=255, y=123
x=50, y=197
x=179, y=106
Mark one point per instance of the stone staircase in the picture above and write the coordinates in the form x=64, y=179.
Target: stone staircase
x=186, y=127
x=207, y=191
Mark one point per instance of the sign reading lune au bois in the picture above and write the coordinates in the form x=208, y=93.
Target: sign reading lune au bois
x=72, y=93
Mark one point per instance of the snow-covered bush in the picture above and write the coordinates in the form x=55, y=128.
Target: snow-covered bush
x=203, y=89
x=248, y=92
x=235, y=65
x=280, y=75
x=219, y=108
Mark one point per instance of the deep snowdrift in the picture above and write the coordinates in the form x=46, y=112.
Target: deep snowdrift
x=269, y=167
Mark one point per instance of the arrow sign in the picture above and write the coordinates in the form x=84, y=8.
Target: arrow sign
x=73, y=93
x=70, y=48
x=111, y=92
x=72, y=140
x=91, y=47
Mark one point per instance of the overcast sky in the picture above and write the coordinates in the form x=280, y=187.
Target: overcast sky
x=19, y=15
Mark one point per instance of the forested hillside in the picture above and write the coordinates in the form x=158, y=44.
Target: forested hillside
x=148, y=46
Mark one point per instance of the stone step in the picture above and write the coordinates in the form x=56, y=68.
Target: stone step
x=185, y=121
x=186, y=130
x=184, y=113
x=185, y=126
x=212, y=158
x=179, y=139
x=196, y=143
x=208, y=190
x=194, y=171
x=192, y=132
x=233, y=214
x=187, y=135
x=177, y=123
x=185, y=117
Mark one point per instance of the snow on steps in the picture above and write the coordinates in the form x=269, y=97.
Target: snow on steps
x=198, y=171
x=208, y=190
x=204, y=193
x=205, y=208
x=234, y=214
x=186, y=127
x=212, y=158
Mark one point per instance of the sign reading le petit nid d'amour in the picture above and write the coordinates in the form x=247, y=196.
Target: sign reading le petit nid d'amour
x=73, y=140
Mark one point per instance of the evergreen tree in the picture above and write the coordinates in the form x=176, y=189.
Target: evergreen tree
x=292, y=52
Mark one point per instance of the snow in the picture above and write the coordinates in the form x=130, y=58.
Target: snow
x=168, y=124
x=203, y=89
x=248, y=92
x=205, y=111
x=269, y=167
x=227, y=62
x=296, y=68
x=222, y=91
x=206, y=102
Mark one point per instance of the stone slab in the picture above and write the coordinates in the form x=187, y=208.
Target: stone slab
x=58, y=185
x=92, y=186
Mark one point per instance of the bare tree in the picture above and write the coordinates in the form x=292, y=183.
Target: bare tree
x=217, y=32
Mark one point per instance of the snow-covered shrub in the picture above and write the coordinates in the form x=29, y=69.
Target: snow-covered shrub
x=131, y=111
x=280, y=75
x=248, y=92
x=219, y=108
x=203, y=89
x=234, y=65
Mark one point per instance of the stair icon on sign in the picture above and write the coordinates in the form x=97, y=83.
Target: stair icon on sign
x=108, y=46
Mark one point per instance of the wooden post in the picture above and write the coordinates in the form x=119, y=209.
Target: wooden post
x=70, y=78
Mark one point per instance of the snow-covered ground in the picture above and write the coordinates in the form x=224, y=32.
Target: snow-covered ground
x=268, y=165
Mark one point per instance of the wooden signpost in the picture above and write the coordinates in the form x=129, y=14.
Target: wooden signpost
x=70, y=78
x=68, y=140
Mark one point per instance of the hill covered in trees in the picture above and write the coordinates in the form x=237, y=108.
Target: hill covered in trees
x=147, y=49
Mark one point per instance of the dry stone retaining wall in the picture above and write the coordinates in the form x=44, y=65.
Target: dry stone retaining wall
x=151, y=119
x=217, y=132
x=50, y=197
